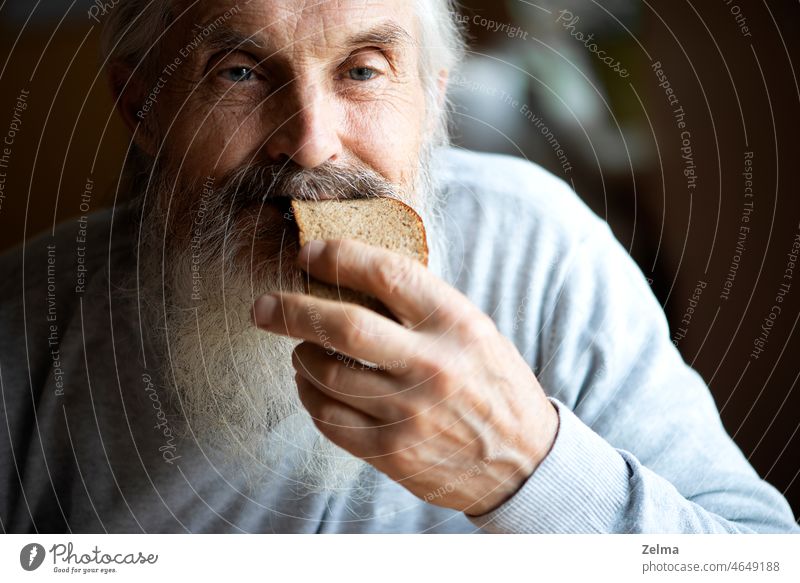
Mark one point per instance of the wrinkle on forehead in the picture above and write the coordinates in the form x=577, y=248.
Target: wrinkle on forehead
x=313, y=24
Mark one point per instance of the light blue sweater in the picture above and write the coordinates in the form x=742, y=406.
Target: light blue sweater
x=640, y=446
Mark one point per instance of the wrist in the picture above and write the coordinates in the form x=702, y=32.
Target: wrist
x=533, y=452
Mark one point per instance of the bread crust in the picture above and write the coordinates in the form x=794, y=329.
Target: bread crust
x=401, y=225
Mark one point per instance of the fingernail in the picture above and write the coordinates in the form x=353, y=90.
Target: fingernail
x=264, y=309
x=311, y=252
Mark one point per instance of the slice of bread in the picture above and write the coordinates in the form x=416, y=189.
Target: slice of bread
x=383, y=222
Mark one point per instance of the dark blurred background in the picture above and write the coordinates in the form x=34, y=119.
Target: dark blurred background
x=537, y=85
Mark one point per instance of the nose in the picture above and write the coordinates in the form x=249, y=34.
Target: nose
x=307, y=129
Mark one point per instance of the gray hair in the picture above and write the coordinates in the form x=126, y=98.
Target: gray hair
x=133, y=30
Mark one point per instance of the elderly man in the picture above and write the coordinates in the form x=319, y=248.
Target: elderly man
x=162, y=370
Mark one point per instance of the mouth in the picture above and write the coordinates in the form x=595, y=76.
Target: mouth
x=276, y=198
x=269, y=213
x=265, y=230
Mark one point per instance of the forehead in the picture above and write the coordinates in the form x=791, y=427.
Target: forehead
x=314, y=24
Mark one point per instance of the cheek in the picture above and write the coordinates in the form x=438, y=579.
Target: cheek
x=387, y=135
x=211, y=143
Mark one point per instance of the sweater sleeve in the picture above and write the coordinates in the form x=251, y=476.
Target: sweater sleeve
x=640, y=446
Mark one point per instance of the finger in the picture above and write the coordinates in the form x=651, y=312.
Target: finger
x=361, y=387
x=405, y=286
x=335, y=326
x=349, y=429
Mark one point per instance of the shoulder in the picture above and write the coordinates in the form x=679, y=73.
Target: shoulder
x=509, y=207
x=59, y=266
x=514, y=231
x=510, y=189
x=79, y=240
x=49, y=280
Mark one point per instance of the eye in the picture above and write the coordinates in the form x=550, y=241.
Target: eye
x=237, y=74
x=362, y=73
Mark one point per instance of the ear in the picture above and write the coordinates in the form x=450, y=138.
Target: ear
x=441, y=82
x=129, y=97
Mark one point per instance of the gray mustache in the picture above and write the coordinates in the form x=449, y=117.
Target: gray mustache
x=268, y=184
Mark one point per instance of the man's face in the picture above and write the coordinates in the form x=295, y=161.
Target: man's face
x=328, y=91
x=307, y=81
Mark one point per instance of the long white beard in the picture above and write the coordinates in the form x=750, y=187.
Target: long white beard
x=233, y=384
x=236, y=386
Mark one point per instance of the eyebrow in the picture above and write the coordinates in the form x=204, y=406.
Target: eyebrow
x=226, y=37
x=386, y=35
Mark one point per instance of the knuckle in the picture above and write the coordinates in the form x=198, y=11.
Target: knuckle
x=406, y=408
x=441, y=388
x=430, y=369
x=395, y=272
x=344, y=257
x=435, y=380
x=343, y=247
x=329, y=375
x=358, y=329
x=334, y=253
x=475, y=326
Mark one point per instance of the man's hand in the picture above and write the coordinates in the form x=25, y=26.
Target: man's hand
x=450, y=410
